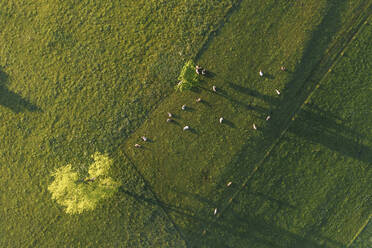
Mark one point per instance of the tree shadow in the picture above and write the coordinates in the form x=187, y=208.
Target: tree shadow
x=241, y=229
x=246, y=226
x=294, y=94
x=221, y=24
x=12, y=100
x=321, y=127
x=208, y=230
x=320, y=53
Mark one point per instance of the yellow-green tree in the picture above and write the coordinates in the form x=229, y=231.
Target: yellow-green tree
x=78, y=195
x=188, y=77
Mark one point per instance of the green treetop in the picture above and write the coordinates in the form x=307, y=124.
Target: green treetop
x=78, y=195
x=188, y=77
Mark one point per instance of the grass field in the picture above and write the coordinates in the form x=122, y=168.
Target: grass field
x=84, y=76
x=313, y=190
x=189, y=170
x=78, y=77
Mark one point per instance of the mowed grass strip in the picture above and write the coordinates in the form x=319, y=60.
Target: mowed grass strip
x=78, y=77
x=314, y=189
x=189, y=170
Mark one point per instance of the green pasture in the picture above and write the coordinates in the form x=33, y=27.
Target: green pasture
x=78, y=77
x=189, y=170
x=313, y=189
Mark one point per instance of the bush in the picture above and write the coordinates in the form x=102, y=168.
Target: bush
x=188, y=77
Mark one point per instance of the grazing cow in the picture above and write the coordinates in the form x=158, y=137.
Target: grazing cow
x=183, y=107
x=221, y=119
x=186, y=128
x=137, y=146
x=214, y=88
x=277, y=91
x=261, y=73
x=254, y=126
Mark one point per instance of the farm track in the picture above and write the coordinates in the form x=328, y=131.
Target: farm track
x=330, y=58
x=356, y=25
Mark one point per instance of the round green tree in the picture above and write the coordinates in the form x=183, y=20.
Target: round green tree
x=79, y=195
x=188, y=77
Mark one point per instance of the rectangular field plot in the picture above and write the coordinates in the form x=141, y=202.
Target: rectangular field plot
x=189, y=170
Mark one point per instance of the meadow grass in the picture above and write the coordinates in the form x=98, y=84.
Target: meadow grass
x=189, y=170
x=78, y=77
x=313, y=189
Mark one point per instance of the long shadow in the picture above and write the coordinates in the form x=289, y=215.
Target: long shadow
x=319, y=55
x=240, y=104
x=293, y=95
x=273, y=101
x=298, y=88
x=215, y=33
x=234, y=225
x=12, y=100
x=320, y=127
x=314, y=63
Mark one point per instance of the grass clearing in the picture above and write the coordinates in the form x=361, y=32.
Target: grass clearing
x=189, y=170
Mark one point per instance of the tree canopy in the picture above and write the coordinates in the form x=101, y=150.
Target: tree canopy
x=78, y=195
x=188, y=77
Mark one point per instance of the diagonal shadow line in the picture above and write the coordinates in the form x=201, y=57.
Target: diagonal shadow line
x=157, y=201
x=198, y=55
x=156, y=105
x=350, y=33
x=321, y=129
x=222, y=226
x=332, y=54
x=235, y=7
